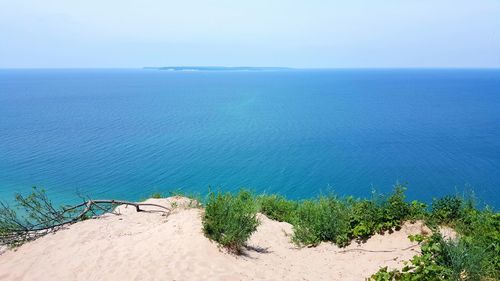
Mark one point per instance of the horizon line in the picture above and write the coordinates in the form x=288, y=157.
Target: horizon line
x=243, y=66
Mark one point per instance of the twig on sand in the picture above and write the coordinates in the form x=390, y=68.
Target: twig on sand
x=378, y=251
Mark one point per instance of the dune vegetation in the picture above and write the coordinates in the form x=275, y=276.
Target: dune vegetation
x=473, y=255
x=231, y=218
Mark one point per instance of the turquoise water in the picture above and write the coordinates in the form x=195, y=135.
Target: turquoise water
x=129, y=133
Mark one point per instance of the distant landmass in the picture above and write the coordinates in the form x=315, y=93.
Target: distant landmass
x=217, y=68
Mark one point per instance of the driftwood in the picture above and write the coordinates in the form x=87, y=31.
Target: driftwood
x=42, y=218
x=96, y=203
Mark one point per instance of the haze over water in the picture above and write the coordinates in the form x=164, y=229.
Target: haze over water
x=128, y=133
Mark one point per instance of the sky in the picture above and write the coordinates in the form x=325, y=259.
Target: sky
x=292, y=33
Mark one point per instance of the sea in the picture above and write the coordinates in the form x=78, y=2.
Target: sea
x=129, y=133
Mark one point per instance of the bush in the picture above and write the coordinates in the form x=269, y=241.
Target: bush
x=447, y=209
x=381, y=213
x=230, y=219
x=325, y=219
x=340, y=220
x=474, y=256
x=440, y=260
x=396, y=209
x=278, y=208
x=157, y=195
x=365, y=216
x=418, y=211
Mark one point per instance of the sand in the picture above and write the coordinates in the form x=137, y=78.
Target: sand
x=153, y=246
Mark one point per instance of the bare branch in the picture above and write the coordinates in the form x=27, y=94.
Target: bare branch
x=43, y=218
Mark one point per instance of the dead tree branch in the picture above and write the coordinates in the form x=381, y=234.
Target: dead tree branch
x=40, y=217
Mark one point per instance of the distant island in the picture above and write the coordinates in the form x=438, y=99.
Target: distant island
x=218, y=68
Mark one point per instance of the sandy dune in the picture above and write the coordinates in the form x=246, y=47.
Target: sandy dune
x=152, y=246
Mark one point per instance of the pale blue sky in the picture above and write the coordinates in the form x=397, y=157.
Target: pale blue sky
x=308, y=33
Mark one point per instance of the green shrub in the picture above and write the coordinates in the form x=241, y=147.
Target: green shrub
x=396, y=208
x=440, y=260
x=447, y=209
x=474, y=256
x=157, y=195
x=418, y=211
x=420, y=267
x=381, y=213
x=278, y=208
x=365, y=216
x=230, y=219
x=325, y=219
x=341, y=220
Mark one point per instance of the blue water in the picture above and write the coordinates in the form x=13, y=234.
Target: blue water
x=129, y=133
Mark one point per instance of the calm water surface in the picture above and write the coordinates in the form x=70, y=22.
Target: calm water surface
x=129, y=133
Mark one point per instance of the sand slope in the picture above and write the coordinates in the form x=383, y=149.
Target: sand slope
x=152, y=246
